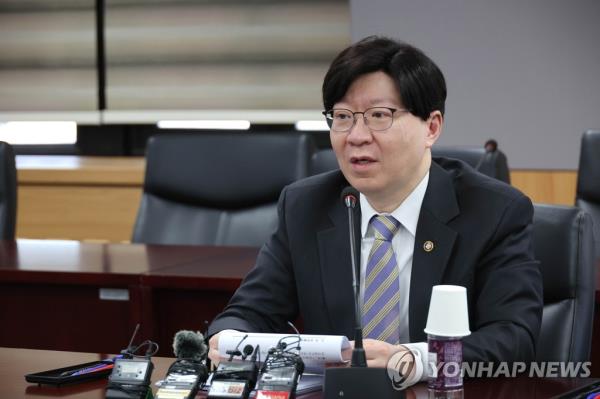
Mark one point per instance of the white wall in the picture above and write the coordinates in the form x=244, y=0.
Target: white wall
x=524, y=72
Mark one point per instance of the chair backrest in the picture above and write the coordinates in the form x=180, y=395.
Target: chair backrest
x=588, y=180
x=563, y=244
x=323, y=161
x=217, y=189
x=490, y=163
x=8, y=192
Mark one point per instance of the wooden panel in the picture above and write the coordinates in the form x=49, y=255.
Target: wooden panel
x=77, y=212
x=51, y=283
x=177, y=309
x=65, y=309
x=546, y=186
x=210, y=280
x=79, y=198
x=70, y=169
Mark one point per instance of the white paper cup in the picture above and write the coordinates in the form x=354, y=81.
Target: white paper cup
x=448, y=312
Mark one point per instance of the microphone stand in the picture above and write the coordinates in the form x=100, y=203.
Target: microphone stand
x=357, y=381
x=359, y=358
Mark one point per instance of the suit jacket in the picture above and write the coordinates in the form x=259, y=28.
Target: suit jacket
x=481, y=230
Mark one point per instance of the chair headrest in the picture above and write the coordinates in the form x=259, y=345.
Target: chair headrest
x=323, y=161
x=470, y=155
x=489, y=160
x=588, y=176
x=225, y=170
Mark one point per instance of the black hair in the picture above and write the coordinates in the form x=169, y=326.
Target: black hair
x=418, y=79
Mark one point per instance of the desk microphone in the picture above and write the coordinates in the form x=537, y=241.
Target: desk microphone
x=359, y=359
x=236, y=351
x=357, y=381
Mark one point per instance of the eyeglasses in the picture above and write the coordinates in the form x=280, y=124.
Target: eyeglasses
x=376, y=118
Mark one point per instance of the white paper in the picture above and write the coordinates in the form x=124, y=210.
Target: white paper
x=315, y=350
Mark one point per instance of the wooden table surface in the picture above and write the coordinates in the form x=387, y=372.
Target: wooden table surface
x=15, y=363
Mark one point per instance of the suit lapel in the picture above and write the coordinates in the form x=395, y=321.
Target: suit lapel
x=439, y=207
x=336, y=272
x=434, y=241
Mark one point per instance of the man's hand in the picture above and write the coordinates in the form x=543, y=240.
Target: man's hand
x=213, y=345
x=379, y=352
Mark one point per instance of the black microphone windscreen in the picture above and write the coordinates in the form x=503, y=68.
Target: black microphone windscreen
x=349, y=196
x=189, y=345
x=248, y=349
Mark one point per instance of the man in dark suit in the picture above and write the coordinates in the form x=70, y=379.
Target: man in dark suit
x=446, y=224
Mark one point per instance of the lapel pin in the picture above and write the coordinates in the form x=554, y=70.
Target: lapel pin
x=428, y=246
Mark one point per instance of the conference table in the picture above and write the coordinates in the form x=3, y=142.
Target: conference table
x=15, y=363
x=88, y=297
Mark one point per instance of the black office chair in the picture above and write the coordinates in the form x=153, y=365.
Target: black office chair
x=8, y=192
x=322, y=161
x=563, y=244
x=217, y=189
x=588, y=180
x=492, y=163
x=488, y=160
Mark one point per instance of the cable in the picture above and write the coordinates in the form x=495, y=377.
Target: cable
x=150, y=351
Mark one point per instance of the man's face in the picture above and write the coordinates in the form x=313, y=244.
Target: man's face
x=383, y=165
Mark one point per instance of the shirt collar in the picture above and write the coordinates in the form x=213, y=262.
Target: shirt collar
x=407, y=213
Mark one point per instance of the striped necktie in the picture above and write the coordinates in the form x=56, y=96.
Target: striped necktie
x=381, y=304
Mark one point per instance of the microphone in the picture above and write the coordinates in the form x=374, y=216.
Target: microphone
x=236, y=378
x=281, y=370
x=357, y=381
x=188, y=372
x=190, y=345
x=359, y=359
x=236, y=351
x=350, y=196
x=248, y=350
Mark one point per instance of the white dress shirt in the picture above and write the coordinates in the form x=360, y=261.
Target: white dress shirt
x=403, y=244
